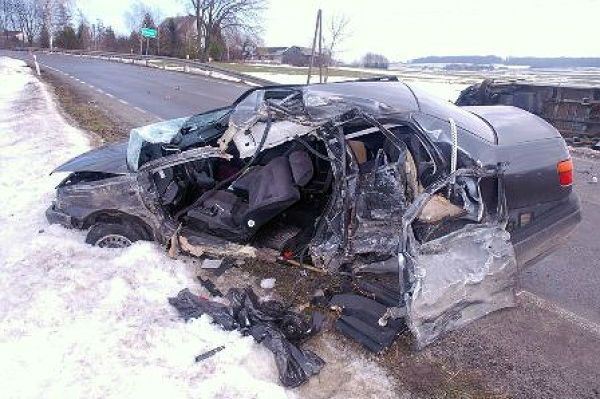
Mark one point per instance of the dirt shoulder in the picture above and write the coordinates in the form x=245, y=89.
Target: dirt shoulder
x=527, y=352
x=104, y=118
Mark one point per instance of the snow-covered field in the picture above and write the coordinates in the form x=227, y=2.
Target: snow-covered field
x=78, y=321
x=445, y=89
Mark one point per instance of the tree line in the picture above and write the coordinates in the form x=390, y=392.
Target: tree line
x=215, y=29
x=221, y=30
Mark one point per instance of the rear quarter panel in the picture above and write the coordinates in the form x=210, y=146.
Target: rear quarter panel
x=531, y=149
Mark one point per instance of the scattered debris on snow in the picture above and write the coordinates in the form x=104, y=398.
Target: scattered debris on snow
x=269, y=322
x=211, y=263
x=79, y=321
x=267, y=283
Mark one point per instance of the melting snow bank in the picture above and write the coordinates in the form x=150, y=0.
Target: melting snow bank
x=79, y=321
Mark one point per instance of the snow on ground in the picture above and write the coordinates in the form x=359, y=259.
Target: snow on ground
x=79, y=321
x=446, y=90
x=289, y=78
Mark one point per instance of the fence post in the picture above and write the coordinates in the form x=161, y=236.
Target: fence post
x=37, y=66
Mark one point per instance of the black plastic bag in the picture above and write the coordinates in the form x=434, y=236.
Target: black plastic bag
x=270, y=323
x=191, y=306
x=295, y=366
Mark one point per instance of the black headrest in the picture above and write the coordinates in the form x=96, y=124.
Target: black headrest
x=301, y=166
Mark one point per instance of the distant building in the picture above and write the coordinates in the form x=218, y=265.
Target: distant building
x=272, y=55
x=11, y=38
x=293, y=55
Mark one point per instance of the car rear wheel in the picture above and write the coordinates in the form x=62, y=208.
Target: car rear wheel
x=112, y=235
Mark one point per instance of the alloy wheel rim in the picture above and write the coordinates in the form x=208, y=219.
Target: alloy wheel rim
x=113, y=241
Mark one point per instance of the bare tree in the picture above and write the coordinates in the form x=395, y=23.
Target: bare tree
x=213, y=17
x=373, y=60
x=84, y=32
x=29, y=17
x=337, y=33
x=136, y=18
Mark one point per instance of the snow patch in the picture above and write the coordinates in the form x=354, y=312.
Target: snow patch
x=79, y=321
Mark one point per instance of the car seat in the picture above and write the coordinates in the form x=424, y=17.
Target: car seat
x=270, y=189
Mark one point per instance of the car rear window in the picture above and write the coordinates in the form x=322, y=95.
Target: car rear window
x=444, y=110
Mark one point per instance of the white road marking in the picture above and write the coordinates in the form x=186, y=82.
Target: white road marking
x=107, y=94
x=563, y=313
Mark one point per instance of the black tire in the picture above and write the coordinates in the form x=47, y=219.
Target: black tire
x=113, y=235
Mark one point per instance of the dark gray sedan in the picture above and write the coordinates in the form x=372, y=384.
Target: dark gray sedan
x=369, y=176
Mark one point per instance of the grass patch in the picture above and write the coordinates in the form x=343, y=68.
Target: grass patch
x=291, y=70
x=84, y=111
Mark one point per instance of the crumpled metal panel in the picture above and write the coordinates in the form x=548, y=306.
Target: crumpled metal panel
x=380, y=204
x=109, y=158
x=460, y=278
x=247, y=140
x=331, y=233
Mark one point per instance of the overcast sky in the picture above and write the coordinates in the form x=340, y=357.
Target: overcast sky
x=404, y=29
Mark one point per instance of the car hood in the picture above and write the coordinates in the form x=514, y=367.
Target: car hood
x=110, y=158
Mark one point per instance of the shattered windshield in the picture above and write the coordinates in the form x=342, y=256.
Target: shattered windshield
x=201, y=121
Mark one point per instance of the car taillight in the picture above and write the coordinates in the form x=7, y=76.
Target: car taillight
x=565, y=172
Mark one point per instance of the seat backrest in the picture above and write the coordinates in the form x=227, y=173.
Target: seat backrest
x=302, y=167
x=271, y=185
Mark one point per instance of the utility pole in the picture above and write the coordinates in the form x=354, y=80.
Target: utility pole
x=318, y=33
x=320, y=48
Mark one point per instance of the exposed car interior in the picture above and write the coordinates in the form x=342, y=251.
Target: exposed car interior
x=277, y=199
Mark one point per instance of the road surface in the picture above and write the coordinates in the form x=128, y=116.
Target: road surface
x=164, y=94
x=570, y=277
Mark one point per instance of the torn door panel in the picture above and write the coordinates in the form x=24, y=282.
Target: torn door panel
x=460, y=278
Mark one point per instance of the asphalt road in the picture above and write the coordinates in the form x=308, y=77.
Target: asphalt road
x=165, y=94
x=570, y=277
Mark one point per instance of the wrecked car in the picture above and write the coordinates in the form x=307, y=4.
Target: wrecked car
x=573, y=109
x=368, y=176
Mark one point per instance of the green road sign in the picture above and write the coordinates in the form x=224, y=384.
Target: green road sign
x=149, y=32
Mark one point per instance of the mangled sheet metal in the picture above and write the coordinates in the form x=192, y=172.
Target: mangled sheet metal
x=258, y=122
x=460, y=278
x=380, y=203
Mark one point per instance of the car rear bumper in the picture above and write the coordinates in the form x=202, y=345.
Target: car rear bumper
x=56, y=216
x=548, y=232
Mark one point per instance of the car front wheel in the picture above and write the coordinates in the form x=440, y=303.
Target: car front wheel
x=111, y=235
